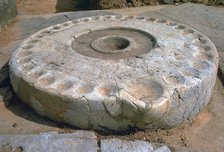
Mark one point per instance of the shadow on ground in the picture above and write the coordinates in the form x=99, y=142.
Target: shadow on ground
x=17, y=117
x=17, y=107
x=75, y=5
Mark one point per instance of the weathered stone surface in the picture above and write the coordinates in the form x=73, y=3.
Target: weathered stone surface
x=209, y=20
x=7, y=11
x=109, y=145
x=146, y=84
x=79, y=141
x=50, y=142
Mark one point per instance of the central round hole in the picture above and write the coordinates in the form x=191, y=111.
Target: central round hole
x=110, y=44
x=115, y=43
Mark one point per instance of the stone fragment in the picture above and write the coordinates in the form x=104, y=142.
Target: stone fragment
x=50, y=142
x=109, y=145
x=84, y=134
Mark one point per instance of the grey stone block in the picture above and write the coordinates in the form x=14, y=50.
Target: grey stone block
x=80, y=141
x=117, y=145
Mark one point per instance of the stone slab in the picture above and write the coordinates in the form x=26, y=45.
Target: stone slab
x=115, y=144
x=109, y=145
x=80, y=141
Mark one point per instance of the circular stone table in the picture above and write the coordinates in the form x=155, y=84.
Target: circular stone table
x=116, y=72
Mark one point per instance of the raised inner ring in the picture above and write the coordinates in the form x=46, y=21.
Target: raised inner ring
x=111, y=44
x=114, y=43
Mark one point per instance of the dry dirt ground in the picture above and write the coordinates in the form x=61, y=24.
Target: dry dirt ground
x=204, y=133
x=34, y=7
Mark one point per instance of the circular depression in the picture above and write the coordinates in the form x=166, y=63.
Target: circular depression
x=111, y=44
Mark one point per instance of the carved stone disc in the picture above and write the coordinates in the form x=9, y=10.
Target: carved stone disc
x=116, y=72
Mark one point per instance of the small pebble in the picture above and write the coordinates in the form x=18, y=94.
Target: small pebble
x=14, y=125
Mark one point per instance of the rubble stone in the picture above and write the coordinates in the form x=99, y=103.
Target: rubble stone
x=50, y=142
x=118, y=145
